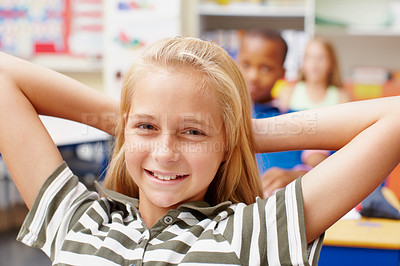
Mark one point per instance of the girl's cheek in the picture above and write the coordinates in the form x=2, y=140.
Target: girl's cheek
x=136, y=144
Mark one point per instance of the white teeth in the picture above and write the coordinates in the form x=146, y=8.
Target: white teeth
x=166, y=177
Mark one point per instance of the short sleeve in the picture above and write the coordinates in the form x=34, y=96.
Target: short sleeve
x=57, y=207
x=272, y=231
x=285, y=229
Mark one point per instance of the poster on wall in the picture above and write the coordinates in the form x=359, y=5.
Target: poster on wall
x=132, y=25
x=31, y=27
x=56, y=27
x=85, y=36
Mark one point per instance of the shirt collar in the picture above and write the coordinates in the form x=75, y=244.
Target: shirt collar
x=205, y=208
x=116, y=196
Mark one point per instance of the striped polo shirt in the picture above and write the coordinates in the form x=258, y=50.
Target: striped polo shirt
x=75, y=226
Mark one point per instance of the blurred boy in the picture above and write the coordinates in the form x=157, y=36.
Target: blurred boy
x=260, y=58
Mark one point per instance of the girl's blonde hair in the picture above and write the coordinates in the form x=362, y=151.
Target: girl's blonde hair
x=237, y=178
x=334, y=77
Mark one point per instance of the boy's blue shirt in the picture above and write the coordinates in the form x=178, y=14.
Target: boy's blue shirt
x=287, y=159
x=265, y=110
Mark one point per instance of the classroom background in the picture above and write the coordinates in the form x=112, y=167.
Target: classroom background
x=94, y=41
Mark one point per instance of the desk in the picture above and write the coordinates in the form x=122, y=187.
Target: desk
x=368, y=241
x=69, y=137
x=65, y=132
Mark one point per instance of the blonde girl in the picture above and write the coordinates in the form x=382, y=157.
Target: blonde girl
x=184, y=162
x=319, y=82
x=236, y=179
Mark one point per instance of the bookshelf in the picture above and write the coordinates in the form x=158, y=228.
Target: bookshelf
x=365, y=33
x=220, y=23
x=241, y=15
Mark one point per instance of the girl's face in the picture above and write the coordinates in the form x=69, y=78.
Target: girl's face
x=317, y=63
x=175, y=140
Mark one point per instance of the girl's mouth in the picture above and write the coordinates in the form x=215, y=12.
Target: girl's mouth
x=165, y=177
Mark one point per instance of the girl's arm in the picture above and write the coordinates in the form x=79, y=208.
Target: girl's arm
x=54, y=94
x=27, y=90
x=367, y=137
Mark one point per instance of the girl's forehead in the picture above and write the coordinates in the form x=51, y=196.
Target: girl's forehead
x=164, y=92
x=316, y=45
x=186, y=81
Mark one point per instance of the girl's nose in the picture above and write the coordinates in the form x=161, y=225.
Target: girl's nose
x=166, y=150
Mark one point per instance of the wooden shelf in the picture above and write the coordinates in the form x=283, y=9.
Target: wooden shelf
x=357, y=31
x=250, y=10
x=245, y=15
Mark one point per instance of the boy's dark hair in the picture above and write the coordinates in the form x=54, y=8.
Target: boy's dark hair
x=268, y=34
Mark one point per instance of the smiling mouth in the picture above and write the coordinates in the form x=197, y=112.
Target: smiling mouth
x=165, y=177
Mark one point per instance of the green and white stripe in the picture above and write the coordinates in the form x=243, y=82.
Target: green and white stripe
x=74, y=226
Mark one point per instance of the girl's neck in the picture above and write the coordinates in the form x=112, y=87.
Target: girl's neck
x=151, y=214
x=316, y=85
x=316, y=90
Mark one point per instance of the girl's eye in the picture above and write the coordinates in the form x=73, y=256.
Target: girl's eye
x=194, y=132
x=146, y=127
